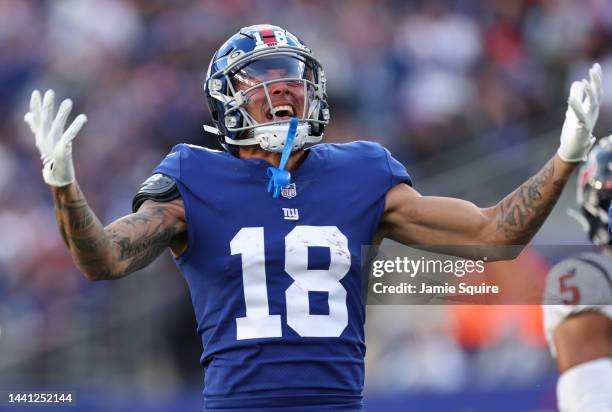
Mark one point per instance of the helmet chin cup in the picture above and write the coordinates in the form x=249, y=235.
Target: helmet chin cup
x=272, y=138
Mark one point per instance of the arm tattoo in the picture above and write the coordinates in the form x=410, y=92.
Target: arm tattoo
x=58, y=217
x=82, y=231
x=522, y=213
x=141, y=238
x=127, y=245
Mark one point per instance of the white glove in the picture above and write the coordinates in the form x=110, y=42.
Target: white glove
x=580, y=117
x=54, y=145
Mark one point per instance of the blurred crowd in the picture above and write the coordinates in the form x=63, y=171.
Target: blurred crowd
x=422, y=77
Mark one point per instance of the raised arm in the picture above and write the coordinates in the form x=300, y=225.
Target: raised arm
x=416, y=220
x=413, y=219
x=127, y=244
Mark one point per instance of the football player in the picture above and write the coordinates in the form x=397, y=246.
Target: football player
x=275, y=279
x=579, y=332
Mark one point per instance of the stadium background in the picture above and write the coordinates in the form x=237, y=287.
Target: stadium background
x=470, y=95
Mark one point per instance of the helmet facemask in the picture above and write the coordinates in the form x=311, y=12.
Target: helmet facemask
x=253, y=77
x=594, y=193
x=595, y=209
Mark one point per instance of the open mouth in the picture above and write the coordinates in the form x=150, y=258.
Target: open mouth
x=280, y=112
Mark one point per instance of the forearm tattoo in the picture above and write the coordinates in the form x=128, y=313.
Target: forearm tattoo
x=140, y=238
x=82, y=232
x=127, y=245
x=522, y=213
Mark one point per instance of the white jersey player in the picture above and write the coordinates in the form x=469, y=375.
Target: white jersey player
x=579, y=328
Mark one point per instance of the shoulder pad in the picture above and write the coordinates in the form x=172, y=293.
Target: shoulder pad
x=159, y=188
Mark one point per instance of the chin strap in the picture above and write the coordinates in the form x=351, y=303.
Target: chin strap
x=279, y=177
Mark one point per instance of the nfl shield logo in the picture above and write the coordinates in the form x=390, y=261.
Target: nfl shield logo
x=289, y=191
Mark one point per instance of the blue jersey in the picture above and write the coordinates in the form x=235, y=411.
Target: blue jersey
x=276, y=284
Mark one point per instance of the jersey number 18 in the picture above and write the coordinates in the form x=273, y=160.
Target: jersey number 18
x=258, y=323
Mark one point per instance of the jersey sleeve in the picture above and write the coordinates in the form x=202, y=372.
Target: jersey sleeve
x=371, y=164
x=398, y=172
x=578, y=281
x=573, y=286
x=161, y=186
x=171, y=164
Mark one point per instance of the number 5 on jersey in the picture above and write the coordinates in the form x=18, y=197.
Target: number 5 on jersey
x=258, y=323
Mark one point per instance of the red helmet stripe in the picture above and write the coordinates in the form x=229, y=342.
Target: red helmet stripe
x=268, y=36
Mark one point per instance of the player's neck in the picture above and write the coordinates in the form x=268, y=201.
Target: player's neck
x=251, y=152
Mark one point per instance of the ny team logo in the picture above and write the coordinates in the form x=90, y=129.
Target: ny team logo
x=289, y=191
x=291, y=213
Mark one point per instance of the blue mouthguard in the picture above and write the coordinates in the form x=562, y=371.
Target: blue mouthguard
x=279, y=177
